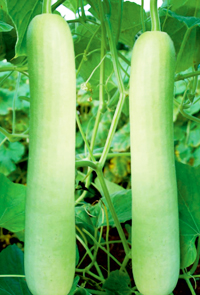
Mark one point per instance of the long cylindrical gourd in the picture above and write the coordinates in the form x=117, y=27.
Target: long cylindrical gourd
x=50, y=219
x=155, y=225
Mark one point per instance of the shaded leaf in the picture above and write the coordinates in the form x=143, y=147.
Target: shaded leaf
x=4, y=27
x=74, y=286
x=71, y=4
x=117, y=283
x=111, y=186
x=122, y=204
x=10, y=153
x=121, y=139
x=189, y=208
x=21, y=16
x=189, y=21
x=12, y=262
x=119, y=166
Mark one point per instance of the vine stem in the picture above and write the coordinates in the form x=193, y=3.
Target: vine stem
x=46, y=6
x=86, y=163
x=187, y=33
x=142, y=16
x=13, y=137
x=112, y=210
x=55, y=5
x=114, y=56
x=117, y=71
x=14, y=101
x=86, y=51
x=112, y=155
x=11, y=68
x=155, y=22
x=186, y=277
x=101, y=278
x=189, y=117
x=84, y=137
x=185, y=76
x=120, y=5
x=112, y=129
x=12, y=276
x=194, y=267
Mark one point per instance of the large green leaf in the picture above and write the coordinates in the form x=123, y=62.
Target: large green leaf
x=176, y=20
x=117, y=283
x=21, y=13
x=12, y=204
x=189, y=208
x=10, y=154
x=12, y=262
x=122, y=204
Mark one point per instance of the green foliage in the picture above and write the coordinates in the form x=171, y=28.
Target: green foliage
x=12, y=205
x=117, y=283
x=181, y=21
x=11, y=262
x=189, y=206
x=10, y=154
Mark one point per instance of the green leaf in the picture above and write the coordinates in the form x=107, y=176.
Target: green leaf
x=21, y=16
x=122, y=204
x=117, y=283
x=12, y=204
x=6, y=99
x=10, y=153
x=81, y=291
x=83, y=220
x=12, y=262
x=189, y=208
x=4, y=27
x=176, y=26
x=183, y=7
x=131, y=22
x=196, y=155
x=121, y=139
x=74, y=286
x=71, y=4
x=119, y=166
x=189, y=21
x=194, y=137
x=111, y=186
x=183, y=152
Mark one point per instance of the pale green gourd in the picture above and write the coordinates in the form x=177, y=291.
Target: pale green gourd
x=155, y=225
x=50, y=219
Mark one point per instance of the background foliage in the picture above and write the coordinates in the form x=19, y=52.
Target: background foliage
x=182, y=22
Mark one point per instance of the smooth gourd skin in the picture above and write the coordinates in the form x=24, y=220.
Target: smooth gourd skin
x=155, y=225
x=50, y=221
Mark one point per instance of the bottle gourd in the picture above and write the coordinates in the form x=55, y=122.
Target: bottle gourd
x=155, y=225
x=50, y=219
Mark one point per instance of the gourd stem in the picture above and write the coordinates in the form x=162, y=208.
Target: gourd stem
x=46, y=6
x=155, y=22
